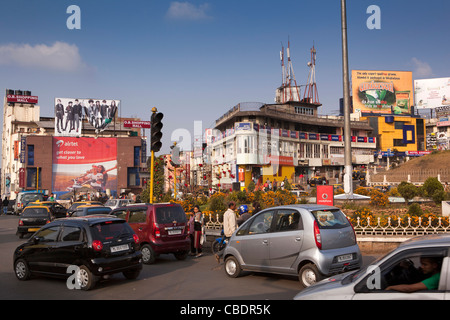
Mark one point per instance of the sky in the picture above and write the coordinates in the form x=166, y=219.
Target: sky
x=194, y=60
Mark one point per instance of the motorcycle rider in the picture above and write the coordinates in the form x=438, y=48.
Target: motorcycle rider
x=243, y=214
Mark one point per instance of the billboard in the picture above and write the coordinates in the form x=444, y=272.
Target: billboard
x=84, y=164
x=432, y=93
x=382, y=92
x=70, y=112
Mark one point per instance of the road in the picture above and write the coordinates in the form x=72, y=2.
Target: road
x=168, y=279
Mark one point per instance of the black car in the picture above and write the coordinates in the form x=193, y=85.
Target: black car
x=32, y=219
x=85, y=248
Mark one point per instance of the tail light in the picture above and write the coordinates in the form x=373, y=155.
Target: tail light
x=20, y=222
x=157, y=231
x=97, y=245
x=354, y=233
x=136, y=238
x=317, y=236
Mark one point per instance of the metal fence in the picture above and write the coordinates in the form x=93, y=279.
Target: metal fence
x=398, y=227
x=413, y=176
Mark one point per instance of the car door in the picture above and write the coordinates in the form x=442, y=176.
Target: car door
x=137, y=219
x=69, y=247
x=286, y=240
x=40, y=252
x=255, y=243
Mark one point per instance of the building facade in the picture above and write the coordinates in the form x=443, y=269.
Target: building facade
x=260, y=142
x=34, y=158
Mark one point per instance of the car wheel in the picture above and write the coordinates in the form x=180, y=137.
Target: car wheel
x=232, y=267
x=85, y=278
x=308, y=275
x=181, y=255
x=131, y=274
x=148, y=254
x=21, y=270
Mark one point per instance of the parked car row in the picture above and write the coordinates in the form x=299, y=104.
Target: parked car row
x=99, y=241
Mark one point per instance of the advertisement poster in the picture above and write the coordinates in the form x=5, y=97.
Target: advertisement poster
x=432, y=93
x=84, y=165
x=69, y=113
x=382, y=92
x=325, y=195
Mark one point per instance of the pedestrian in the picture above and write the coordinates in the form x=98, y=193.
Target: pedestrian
x=5, y=203
x=229, y=225
x=191, y=232
x=198, y=226
x=256, y=207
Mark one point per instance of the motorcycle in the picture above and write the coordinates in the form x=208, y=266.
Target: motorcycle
x=219, y=243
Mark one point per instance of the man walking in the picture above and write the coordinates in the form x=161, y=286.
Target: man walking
x=229, y=225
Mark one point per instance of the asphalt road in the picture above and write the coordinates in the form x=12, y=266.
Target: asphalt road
x=168, y=279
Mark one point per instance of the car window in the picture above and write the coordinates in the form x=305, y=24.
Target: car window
x=111, y=202
x=330, y=219
x=122, y=214
x=138, y=216
x=34, y=212
x=71, y=233
x=49, y=234
x=110, y=229
x=403, y=268
x=261, y=223
x=98, y=210
x=169, y=214
x=287, y=220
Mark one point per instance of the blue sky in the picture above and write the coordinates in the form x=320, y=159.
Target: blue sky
x=194, y=60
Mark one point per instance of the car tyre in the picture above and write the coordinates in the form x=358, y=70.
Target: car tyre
x=22, y=270
x=233, y=268
x=86, y=279
x=131, y=274
x=308, y=275
x=148, y=254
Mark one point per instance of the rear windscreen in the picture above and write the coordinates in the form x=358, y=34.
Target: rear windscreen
x=32, y=197
x=35, y=212
x=98, y=211
x=111, y=229
x=330, y=219
x=170, y=214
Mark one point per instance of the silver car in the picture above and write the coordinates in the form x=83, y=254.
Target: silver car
x=311, y=241
x=405, y=269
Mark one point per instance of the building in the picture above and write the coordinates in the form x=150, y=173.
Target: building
x=259, y=142
x=34, y=158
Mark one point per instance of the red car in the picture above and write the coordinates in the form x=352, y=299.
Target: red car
x=162, y=229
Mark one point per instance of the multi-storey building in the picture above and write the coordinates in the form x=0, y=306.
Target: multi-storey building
x=259, y=142
x=33, y=157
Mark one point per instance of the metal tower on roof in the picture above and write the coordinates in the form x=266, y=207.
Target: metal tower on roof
x=311, y=95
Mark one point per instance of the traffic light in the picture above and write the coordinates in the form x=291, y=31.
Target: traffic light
x=156, y=134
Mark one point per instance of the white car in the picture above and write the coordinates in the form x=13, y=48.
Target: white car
x=117, y=203
x=381, y=280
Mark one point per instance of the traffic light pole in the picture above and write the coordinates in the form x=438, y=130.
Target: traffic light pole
x=152, y=175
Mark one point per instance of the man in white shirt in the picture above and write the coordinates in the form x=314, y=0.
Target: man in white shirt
x=229, y=225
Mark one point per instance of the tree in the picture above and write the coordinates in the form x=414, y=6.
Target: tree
x=407, y=190
x=431, y=186
x=158, y=181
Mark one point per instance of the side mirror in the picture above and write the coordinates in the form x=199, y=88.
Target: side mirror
x=36, y=240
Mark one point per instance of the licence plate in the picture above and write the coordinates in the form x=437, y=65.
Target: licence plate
x=119, y=248
x=173, y=232
x=33, y=229
x=345, y=257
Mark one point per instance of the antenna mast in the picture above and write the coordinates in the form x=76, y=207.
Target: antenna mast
x=311, y=95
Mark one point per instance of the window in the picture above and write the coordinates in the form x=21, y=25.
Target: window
x=137, y=158
x=48, y=234
x=71, y=233
x=122, y=214
x=261, y=223
x=399, y=143
x=288, y=220
x=137, y=216
x=30, y=153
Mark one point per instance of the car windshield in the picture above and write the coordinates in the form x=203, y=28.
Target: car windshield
x=330, y=219
x=169, y=214
x=98, y=210
x=111, y=202
x=34, y=212
x=110, y=229
x=32, y=197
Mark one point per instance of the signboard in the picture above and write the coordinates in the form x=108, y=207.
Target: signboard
x=137, y=124
x=21, y=99
x=69, y=113
x=382, y=91
x=325, y=195
x=432, y=93
x=88, y=164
